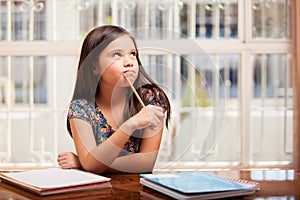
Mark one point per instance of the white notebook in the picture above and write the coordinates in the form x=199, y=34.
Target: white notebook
x=55, y=180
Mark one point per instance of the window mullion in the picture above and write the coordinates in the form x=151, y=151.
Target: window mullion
x=245, y=98
x=245, y=20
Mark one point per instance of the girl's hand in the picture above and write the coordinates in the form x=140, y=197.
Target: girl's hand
x=149, y=117
x=68, y=160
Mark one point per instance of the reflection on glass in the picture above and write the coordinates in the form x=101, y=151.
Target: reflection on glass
x=257, y=175
x=272, y=175
x=270, y=19
x=276, y=198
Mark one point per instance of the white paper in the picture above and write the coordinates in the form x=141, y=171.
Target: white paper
x=55, y=177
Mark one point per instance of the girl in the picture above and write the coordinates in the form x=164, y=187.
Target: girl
x=111, y=131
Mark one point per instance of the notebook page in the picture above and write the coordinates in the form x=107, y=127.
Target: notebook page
x=55, y=177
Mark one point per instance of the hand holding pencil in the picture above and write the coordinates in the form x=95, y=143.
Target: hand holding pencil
x=150, y=115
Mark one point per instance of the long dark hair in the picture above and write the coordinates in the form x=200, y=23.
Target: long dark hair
x=87, y=87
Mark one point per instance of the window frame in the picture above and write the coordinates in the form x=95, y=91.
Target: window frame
x=296, y=67
x=244, y=45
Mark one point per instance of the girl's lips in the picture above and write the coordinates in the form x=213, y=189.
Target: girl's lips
x=129, y=72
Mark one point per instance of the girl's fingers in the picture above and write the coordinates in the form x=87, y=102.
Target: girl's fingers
x=158, y=110
x=65, y=166
x=61, y=158
x=62, y=154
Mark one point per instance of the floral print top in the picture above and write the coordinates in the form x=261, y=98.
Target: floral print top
x=91, y=113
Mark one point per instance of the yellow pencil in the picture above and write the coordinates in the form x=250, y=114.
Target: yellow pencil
x=134, y=91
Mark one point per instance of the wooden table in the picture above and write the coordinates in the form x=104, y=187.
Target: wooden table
x=127, y=186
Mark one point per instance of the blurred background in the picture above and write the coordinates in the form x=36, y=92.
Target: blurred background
x=226, y=66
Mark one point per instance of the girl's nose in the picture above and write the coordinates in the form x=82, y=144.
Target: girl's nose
x=128, y=62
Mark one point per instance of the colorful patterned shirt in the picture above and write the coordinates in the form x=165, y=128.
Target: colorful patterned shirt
x=91, y=113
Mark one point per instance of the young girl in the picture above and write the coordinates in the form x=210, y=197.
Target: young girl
x=112, y=131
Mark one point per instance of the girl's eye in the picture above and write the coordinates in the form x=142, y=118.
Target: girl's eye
x=133, y=53
x=116, y=54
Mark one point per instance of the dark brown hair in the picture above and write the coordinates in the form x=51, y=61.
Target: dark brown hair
x=87, y=87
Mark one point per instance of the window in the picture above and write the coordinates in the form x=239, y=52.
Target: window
x=225, y=65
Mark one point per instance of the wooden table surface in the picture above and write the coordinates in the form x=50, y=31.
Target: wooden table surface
x=280, y=185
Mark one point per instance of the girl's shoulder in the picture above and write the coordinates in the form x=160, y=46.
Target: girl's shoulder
x=81, y=107
x=81, y=102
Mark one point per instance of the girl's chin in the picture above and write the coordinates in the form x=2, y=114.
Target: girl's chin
x=124, y=83
x=131, y=77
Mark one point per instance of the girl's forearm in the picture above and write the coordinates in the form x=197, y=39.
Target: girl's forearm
x=135, y=163
x=101, y=157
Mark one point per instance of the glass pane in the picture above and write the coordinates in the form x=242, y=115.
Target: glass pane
x=40, y=80
x=88, y=15
x=28, y=20
x=214, y=19
x=4, y=134
x=40, y=23
x=21, y=78
x=3, y=82
x=197, y=138
x=271, y=19
x=65, y=142
x=64, y=77
x=41, y=138
x=229, y=70
x=20, y=135
x=39, y=125
x=65, y=20
x=127, y=13
x=36, y=139
x=3, y=20
x=272, y=79
x=271, y=109
x=198, y=73
x=29, y=77
x=271, y=137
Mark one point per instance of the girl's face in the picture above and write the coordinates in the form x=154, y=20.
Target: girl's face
x=117, y=58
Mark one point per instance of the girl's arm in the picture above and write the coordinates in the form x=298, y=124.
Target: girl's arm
x=93, y=158
x=144, y=161
x=98, y=159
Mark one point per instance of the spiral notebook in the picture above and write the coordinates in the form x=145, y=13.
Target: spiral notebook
x=197, y=185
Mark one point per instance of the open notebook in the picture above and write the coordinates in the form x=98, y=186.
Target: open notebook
x=197, y=185
x=55, y=180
